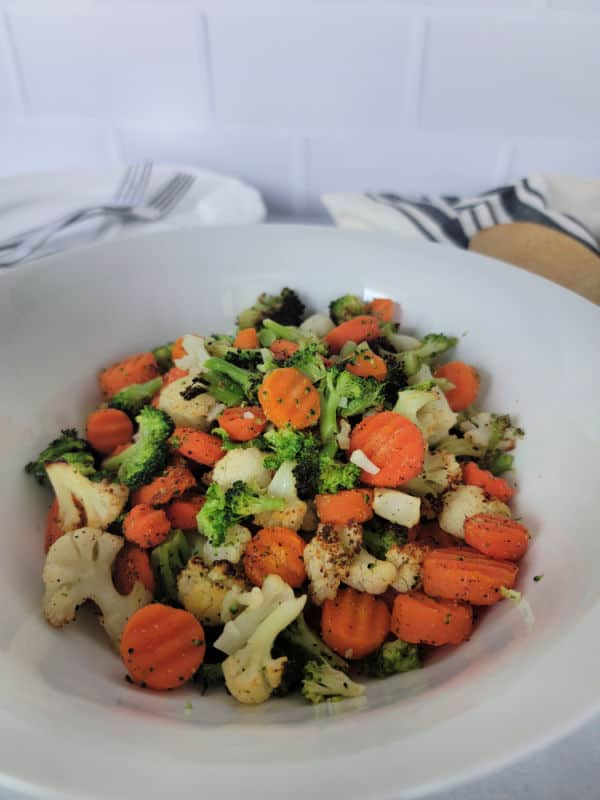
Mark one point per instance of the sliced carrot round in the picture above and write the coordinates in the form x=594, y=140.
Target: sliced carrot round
x=107, y=428
x=349, y=505
x=182, y=513
x=497, y=487
x=162, y=647
x=282, y=349
x=131, y=566
x=358, y=329
x=466, y=384
x=419, y=619
x=367, y=365
x=394, y=444
x=454, y=573
x=275, y=551
x=289, y=398
x=243, y=423
x=146, y=526
x=246, y=339
x=204, y=448
x=171, y=483
x=139, y=368
x=354, y=624
x=382, y=308
x=497, y=537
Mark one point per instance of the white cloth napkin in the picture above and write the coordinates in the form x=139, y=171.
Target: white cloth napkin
x=568, y=204
x=30, y=200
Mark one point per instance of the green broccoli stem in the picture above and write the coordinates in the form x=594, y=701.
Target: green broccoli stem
x=241, y=376
x=287, y=332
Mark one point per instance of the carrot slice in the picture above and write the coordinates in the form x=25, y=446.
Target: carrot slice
x=146, y=526
x=108, y=428
x=454, y=573
x=53, y=529
x=350, y=505
x=289, y=398
x=382, y=308
x=139, y=368
x=204, y=448
x=282, y=349
x=243, y=423
x=275, y=551
x=162, y=647
x=354, y=624
x=497, y=537
x=173, y=482
x=473, y=475
x=419, y=619
x=466, y=384
x=394, y=444
x=131, y=566
x=182, y=513
x=246, y=339
x=367, y=365
x=359, y=329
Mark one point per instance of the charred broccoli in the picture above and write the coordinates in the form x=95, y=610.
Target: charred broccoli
x=323, y=682
x=67, y=447
x=134, y=397
x=379, y=536
x=285, y=308
x=393, y=658
x=345, y=308
x=306, y=645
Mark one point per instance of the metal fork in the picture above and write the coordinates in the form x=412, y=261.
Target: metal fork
x=159, y=206
x=130, y=191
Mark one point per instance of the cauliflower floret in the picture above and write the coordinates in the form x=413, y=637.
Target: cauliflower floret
x=241, y=464
x=436, y=417
x=485, y=431
x=82, y=501
x=328, y=556
x=407, y=560
x=441, y=471
x=232, y=549
x=397, y=507
x=202, y=590
x=251, y=673
x=78, y=567
x=466, y=501
x=369, y=574
x=292, y=516
x=195, y=353
x=320, y=324
x=193, y=413
x=259, y=602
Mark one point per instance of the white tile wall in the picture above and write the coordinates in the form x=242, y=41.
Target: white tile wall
x=304, y=96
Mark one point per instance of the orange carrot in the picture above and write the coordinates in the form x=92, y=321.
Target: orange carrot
x=367, y=365
x=146, y=526
x=243, y=423
x=473, y=475
x=53, y=529
x=350, y=505
x=354, y=624
x=131, y=566
x=466, y=384
x=282, y=349
x=393, y=443
x=178, y=350
x=182, y=513
x=275, y=551
x=359, y=329
x=497, y=537
x=174, y=374
x=454, y=573
x=162, y=647
x=418, y=619
x=172, y=482
x=382, y=308
x=135, y=369
x=246, y=339
x=204, y=448
x=289, y=398
x=108, y=428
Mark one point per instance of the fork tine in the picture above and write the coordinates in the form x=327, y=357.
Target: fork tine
x=135, y=187
x=123, y=186
x=164, y=191
x=173, y=192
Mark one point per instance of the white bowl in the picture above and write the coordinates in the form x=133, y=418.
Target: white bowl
x=69, y=721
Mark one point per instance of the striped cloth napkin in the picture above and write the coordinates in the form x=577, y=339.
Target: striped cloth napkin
x=566, y=204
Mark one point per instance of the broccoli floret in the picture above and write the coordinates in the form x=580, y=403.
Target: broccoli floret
x=140, y=462
x=274, y=330
x=306, y=645
x=308, y=361
x=432, y=345
x=223, y=509
x=67, y=447
x=293, y=672
x=164, y=356
x=323, y=682
x=133, y=398
x=168, y=559
x=336, y=475
x=497, y=462
x=379, y=536
x=287, y=444
x=346, y=307
x=285, y=308
x=345, y=394
x=209, y=675
x=219, y=344
x=231, y=381
x=393, y=658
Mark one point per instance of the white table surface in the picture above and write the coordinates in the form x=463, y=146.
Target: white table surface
x=567, y=770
